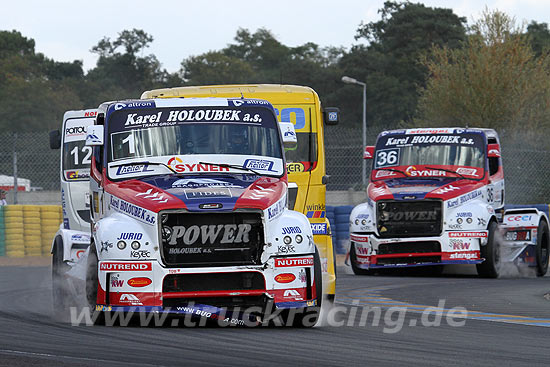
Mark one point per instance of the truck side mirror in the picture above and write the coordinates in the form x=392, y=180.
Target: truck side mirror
x=369, y=152
x=55, y=139
x=331, y=115
x=493, y=150
x=94, y=135
x=289, y=134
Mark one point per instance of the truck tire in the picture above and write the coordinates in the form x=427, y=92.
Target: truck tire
x=543, y=248
x=353, y=260
x=490, y=268
x=60, y=293
x=92, y=282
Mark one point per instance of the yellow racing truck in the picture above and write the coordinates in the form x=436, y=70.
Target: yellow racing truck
x=305, y=164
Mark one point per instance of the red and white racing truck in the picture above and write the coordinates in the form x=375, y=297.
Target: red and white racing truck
x=436, y=197
x=188, y=202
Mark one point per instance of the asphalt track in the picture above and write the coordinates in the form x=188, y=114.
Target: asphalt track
x=507, y=323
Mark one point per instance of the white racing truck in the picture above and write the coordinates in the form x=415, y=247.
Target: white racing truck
x=73, y=237
x=436, y=197
x=189, y=214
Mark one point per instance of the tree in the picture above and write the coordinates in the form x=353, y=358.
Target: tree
x=539, y=36
x=390, y=63
x=496, y=80
x=125, y=74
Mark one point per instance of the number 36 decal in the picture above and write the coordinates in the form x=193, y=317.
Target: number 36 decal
x=386, y=158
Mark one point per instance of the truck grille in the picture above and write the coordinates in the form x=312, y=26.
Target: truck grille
x=211, y=239
x=409, y=218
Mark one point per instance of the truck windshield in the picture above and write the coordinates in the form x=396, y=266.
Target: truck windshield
x=460, y=153
x=252, y=132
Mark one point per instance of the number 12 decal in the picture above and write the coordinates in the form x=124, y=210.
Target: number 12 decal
x=386, y=158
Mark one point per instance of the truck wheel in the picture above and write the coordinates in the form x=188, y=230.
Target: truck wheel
x=542, y=251
x=490, y=268
x=353, y=259
x=60, y=294
x=92, y=282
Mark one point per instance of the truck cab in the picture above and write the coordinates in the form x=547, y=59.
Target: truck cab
x=189, y=211
x=436, y=197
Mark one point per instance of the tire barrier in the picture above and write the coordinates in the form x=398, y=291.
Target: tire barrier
x=339, y=221
x=28, y=230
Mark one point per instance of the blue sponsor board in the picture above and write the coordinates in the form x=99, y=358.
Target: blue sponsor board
x=259, y=164
x=136, y=168
x=319, y=228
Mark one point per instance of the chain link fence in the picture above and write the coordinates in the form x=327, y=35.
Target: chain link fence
x=526, y=158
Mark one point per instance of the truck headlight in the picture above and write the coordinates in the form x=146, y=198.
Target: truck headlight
x=121, y=245
x=364, y=222
x=469, y=220
x=357, y=222
x=287, y=240
x=299, y=238
x=135, y=245
x=459, y=220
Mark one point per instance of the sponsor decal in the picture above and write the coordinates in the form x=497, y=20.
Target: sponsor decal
x=319, y=228
x=135, y=168
x=285, y=278
x=467, y=234
x=129, y=236
x=286, y=249
x=77, y=175
x=131, y=299
x=139, y=282
x=315, y=211
x=292, y=293
x=143, y=215
x=80, y=238
x=116, y=282
x=467, y=171
x=302, y=276
x=201, y=182
x=457, y=244
x=518, y=218
x=102, y=308
x=275, y=210
x=361, y=251
x=355, y=238
x=140, y=254
x=455, y=226
x=90, y=114
x=259, y=164
x=413, y=172
x=462, y=199
x=466, y=255
x=295, y=167
x=79, y=253
x=208, y=193
x=409, y=216
x=259, y=192
x=125, y=266
x=75, y=131
x=385, y=173
x=105, y=246
x=177, y=165
x=429, y=131
x=120, y=106
x=222, y=233
x=291, y=230
x=397, y=141
x=464, y=215
x=293, y=262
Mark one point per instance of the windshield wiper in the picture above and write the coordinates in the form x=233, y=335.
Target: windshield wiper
x=236, y=166
x=145, y=162
x=451, y=171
